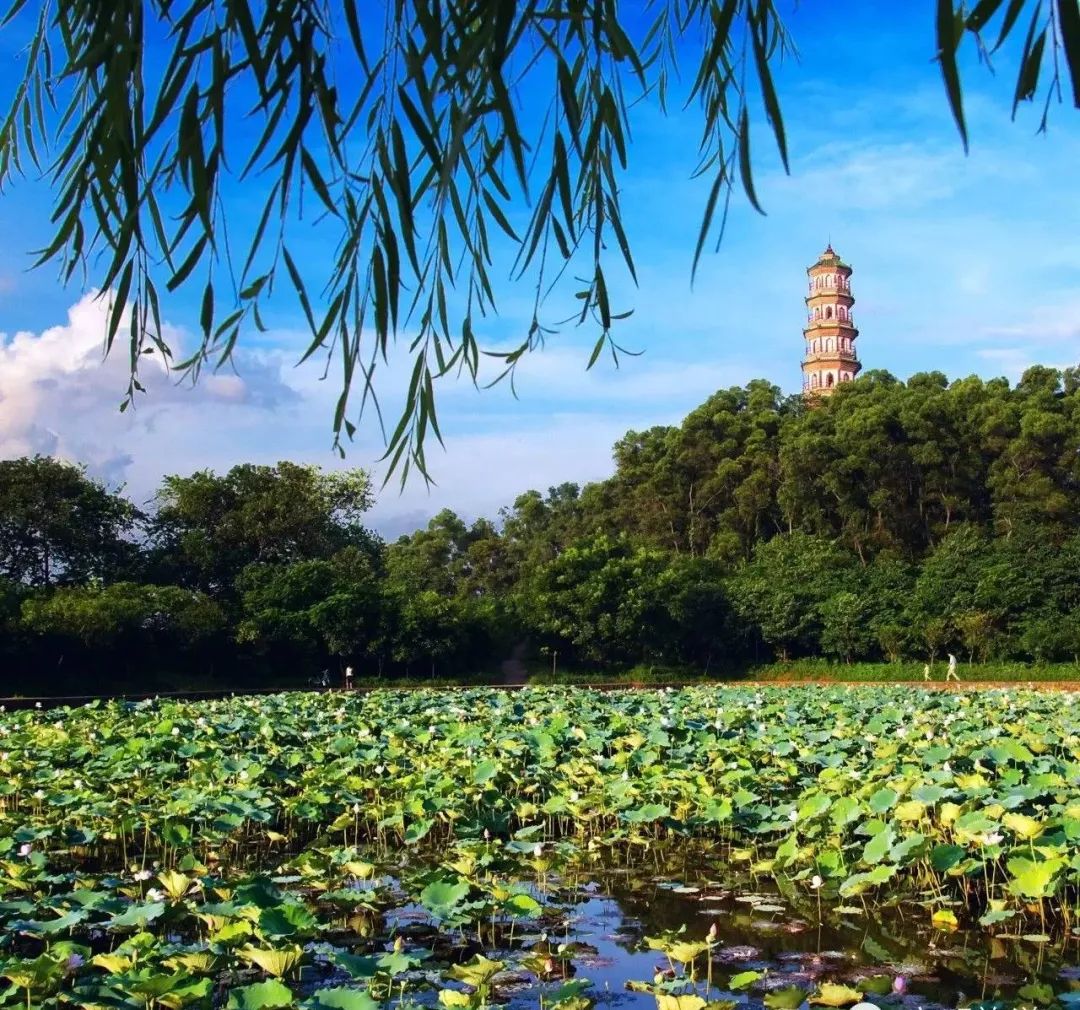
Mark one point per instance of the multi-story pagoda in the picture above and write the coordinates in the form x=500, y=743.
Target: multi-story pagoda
x=830, y=332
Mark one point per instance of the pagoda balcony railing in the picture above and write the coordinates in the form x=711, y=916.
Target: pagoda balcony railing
x=830, y=355
x=848, y=323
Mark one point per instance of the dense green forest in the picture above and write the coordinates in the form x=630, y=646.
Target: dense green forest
x=895, y=520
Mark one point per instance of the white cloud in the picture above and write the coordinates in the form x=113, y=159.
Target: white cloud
x=60, y=395
x=1042, y=324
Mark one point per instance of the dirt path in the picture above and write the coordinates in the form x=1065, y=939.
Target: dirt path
x=513, y=669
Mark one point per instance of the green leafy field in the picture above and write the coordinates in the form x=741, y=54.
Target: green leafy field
x=243, y=852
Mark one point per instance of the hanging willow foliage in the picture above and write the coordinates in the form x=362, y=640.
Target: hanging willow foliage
x=410, y=130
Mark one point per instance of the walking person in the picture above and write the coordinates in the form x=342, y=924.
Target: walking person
x=926, y=671
x=951, y=675
x=348, y=678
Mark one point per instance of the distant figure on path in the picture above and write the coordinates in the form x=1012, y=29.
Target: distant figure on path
x=951, y=675
x=348, y=678
x=926, y=671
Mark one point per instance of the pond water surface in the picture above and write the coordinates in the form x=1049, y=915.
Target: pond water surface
x=894, y=955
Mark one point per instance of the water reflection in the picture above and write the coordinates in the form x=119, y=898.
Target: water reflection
x=893, y=956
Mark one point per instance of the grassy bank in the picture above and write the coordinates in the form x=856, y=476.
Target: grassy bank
x=817, y=670
x=799, y=671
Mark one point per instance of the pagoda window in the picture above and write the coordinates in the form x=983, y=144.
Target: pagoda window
x=829, y=379
x=828, y=312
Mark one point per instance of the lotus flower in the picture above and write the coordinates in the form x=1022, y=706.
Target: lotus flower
x=899, y=984
x=25, y=849
x=816, y=882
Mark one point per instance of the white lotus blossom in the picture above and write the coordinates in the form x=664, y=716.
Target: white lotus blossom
x=154, y=894
x=25, y=849
x=141, y=875
x=816, y=882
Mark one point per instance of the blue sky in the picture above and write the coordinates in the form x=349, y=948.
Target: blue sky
x=969, y=265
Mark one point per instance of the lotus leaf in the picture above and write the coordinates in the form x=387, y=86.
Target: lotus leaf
x=743, y=980
x=479, y=971
x=834, y=995
x=789, y=998
x=342, y=999
x=268, y=995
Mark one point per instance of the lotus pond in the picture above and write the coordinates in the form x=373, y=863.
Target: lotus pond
x=698, y=849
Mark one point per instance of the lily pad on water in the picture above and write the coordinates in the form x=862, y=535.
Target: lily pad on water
x=835, y=995
x=789, y=998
